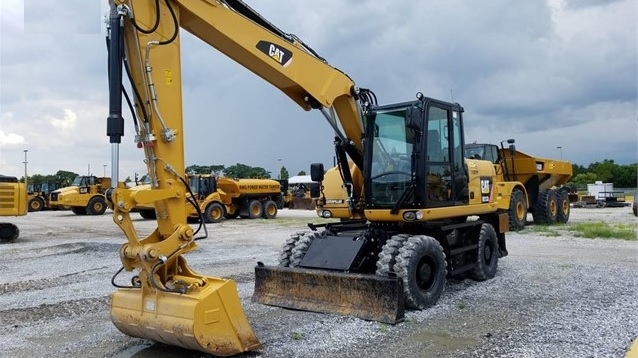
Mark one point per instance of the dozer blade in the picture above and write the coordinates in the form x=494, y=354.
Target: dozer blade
x=365, y=296
x=210, y=320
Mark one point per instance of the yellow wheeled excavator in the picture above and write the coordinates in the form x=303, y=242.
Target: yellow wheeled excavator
x=400, y=169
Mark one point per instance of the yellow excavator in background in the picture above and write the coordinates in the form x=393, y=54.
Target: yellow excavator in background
x=401, y=167
x=13, y=202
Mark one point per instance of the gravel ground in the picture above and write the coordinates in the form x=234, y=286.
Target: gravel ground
x=553, y=296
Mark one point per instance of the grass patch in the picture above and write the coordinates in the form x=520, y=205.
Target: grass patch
x=546, y=230
x=603, y=230
x=461, y=305
x=296, y=336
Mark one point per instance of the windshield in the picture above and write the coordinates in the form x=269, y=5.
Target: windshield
x=391, y=157
x=77, y=181
x=474, y=151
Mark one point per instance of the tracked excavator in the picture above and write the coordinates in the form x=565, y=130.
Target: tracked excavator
x=401, y=171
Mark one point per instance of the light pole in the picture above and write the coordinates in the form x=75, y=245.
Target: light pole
x=104, y=176
x=561, y=152
x=25, y=167
x=279, y=168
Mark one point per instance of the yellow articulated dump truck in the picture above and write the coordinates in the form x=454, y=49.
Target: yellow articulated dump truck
x=84, y=196
x=544, y=179
x=13, y=202
x=221, y=198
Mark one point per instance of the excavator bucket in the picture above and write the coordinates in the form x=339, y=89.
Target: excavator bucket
x=210, y=320
x=366, y=296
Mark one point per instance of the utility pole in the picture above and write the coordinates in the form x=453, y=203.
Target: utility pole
x=561, y=152
x=25, y=167
x=104, y=176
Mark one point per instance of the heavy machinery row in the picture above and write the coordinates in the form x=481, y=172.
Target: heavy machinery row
x=417, y=205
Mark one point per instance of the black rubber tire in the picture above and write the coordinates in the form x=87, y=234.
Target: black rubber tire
x=77, y=210
x=269, y=209
x=8, y=233
x=300, y=249
x=148, y=214
x=36, y=204
x=388, y=254
x=251, y=209
x=422, y=267
x=517, y=211
x=546, y=212
x=286, y=251
x=563, y=207
x=487, y=255
x=214, y=213
x=96, y=206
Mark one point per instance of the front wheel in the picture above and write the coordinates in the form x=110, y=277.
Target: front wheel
x=422, y=267
x=36, y=204
x=517, y=211
x=96, y=206
x=214, y=213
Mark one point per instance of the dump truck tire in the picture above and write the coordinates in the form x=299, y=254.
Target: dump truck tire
x=422, y=267
x=300, y=249
x=546, y=211
x=36, y=204
x=251, y=209
x=214, y=213
x=96, y=206
x=286, y=251
x=517, y=211
x=563, y=207
x=388, y=254
x=487, y=257
x=270, y=209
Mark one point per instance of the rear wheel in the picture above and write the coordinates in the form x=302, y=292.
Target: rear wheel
x=36, y=204
x=563, y=207
x=214, y=213
x=96, y=206
x=517, y=211
x=546, y=211
x=270, y=209
x=487, y=257
x=252, y=210
x=422, y=267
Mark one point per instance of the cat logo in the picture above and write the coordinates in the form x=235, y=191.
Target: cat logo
x=279, y=54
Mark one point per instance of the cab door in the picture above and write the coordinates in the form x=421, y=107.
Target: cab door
x=445, y=172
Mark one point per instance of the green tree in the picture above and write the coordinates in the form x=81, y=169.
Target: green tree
x=578, y=169
x=302, y=172
x=65, y=178
x=205, y=169
x=283, y=173
x=626, y=176
x=581, y=180
x=604, y=171
x=244, y=171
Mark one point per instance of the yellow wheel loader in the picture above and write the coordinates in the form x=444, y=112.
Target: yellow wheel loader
x=13, y=202
x=40, y=195
x=400, y=168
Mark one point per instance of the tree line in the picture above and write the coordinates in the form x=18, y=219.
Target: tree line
x=622, y=176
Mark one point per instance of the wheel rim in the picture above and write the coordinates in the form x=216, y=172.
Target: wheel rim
x=97, y=207
x=272, y=210
x=255, y=210
x=425, y=274
x=565, y=206
x=35, y=205
x=520, y=211
x=487, y=252
x=216, y=213
x=552, y=208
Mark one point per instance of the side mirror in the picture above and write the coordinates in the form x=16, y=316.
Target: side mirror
x=316, y=171
x=512, y=149
x=413, y=118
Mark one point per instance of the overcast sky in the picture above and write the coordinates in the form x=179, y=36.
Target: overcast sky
x=549, y=73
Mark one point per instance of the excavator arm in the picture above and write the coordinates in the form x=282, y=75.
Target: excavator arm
x=167, y=301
